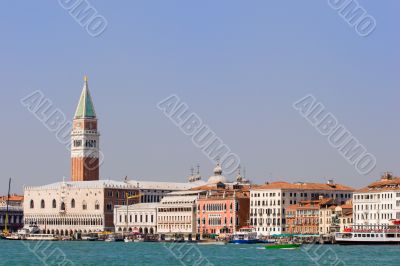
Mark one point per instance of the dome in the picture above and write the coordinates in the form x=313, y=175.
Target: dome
x=217, y=177
x=218, y=170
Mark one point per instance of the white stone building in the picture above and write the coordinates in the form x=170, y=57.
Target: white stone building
x=176, y=214
x=140, y=218
x=378, y=203
x=268, y=202
x=81, y=206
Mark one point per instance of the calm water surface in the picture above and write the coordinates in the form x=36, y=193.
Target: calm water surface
x=120, y=253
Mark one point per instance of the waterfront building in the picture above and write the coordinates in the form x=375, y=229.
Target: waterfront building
x=176, y=215
x=305, y=217
x=268, y=202
x=222, y=211
x=15, y=212
x=326, y=218
x=378, y=203
x=81, y=206
x=343, y=217
x=137, y=218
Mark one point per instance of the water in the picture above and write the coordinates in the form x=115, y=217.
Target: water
x=120, y=253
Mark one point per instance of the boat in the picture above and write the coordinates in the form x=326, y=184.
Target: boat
x=90, y=238
x=212, y=243
x=110, y=238
x=128, y=240
x=42, y=237
x=369, y=235
x=13, y=237
x=245, y=235
x=287, y=246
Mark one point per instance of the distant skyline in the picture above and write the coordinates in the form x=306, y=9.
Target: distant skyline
x=239, y=66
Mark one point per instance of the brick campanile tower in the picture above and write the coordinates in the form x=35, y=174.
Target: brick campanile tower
x=85, y=140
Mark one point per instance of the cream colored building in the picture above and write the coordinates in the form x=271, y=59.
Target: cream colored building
x=140, y=218
x=66, y=208
x=326, y=219
x=344, y=215
x=268, y=203
x=176, y=214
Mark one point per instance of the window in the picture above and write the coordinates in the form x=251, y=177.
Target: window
x=54, y=204
x=72, y=203
x=97, y=205
x=32, y=204
x=109, y=207
x=62, y=206
x=42, y=205
x=84, y=205
x=77, y=143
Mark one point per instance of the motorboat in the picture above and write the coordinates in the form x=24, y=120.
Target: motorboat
x=245, y=235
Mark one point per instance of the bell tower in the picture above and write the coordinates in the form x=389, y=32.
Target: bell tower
x=85, y=139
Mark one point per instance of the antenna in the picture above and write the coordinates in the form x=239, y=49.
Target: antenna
x=198, y=169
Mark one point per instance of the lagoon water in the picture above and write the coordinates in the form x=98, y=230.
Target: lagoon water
x=120, y=253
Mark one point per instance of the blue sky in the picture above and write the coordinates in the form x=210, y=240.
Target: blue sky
x=238, y=64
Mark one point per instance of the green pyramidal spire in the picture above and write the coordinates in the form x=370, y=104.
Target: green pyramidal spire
x=85, y=107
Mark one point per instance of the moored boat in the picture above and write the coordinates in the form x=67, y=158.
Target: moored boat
x=369, y=235
x=42, y=237
x=128, y=240
x=245, y=235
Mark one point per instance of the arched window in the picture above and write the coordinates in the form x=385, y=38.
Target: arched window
x=84, y=205
x=42, y=205
x=97, y=205
x=62, y=206
x=32, y=204
x=54, y=204
x=73, y=203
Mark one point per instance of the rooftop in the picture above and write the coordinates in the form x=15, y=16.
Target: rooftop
x=140, y=206
x=84, y=184
x=12, y=198
x=85, y=108
x=386, y=183
x=165, y=185
x=311, y=204
x=302, y=186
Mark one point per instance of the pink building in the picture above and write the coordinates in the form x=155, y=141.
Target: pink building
x=222, y=211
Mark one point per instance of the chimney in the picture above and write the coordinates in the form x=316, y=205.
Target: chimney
x=387, y=176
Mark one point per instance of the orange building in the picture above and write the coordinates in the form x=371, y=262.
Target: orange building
x=304, y=217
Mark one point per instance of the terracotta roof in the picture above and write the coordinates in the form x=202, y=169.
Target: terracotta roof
x=302, y=186
x=12, y=198
x=310, y=204
x=382, y=185
x=347, y=205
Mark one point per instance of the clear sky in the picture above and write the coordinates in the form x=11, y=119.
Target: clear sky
x=238, y=64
